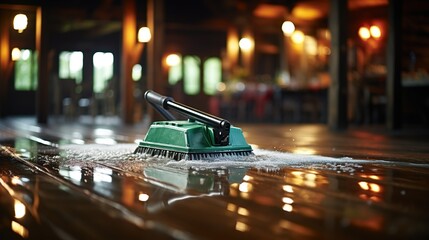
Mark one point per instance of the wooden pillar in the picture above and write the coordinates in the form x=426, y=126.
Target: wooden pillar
x=394, y=65
x=5, y=60
x=337, y=118
x=248, y=55
x=88, y=72
x=284, y=56
x=155, y=48
x=42, y=93
x=129, y=36
x=232, y=49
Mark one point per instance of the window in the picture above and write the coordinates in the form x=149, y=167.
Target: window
x=26, y=71
x=212, y=75
x=192, y=71
x=136, y=73
x=103, y=70
x=175, y=72
x=71, y=65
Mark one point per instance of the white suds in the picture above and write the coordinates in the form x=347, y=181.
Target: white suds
x=122, y=156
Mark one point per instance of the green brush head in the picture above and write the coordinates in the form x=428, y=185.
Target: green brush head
x=190, y=140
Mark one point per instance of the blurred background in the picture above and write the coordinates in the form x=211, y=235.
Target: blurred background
x=269, y=61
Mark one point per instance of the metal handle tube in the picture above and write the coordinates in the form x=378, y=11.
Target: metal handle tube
x=203, y=117
x=168, y=102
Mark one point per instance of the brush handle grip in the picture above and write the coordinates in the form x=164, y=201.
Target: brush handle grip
x=159, y=102
x=157, y=99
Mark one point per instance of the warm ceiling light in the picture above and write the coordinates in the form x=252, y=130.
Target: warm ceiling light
x=364, y=33
x=16, y=54
x=298, y=37
x=375, y=31
x=173, y=60
x=245, y=44
x=20, y=22
x=288, y=28
x=144, y=34
x=308, y=11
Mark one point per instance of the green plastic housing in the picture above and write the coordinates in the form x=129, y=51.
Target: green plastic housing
x=191, y=137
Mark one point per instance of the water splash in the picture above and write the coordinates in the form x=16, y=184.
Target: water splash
x=122, y=156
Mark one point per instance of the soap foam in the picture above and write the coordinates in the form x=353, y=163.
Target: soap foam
x=122, y=156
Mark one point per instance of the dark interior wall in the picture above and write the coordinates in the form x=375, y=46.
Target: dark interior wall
x=201, y=42
x=415, y=37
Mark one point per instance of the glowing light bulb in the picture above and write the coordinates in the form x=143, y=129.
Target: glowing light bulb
x=364, y=33
x=173, y=60
x=20, y=22
x=245, y=44
x=288, y=28
x=298, y=37
x=16, y=54
x=375, y=31
x=144, y=34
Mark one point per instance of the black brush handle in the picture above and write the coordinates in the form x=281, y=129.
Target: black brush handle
x=220, y=125
x=159, y=102
x=157, y=99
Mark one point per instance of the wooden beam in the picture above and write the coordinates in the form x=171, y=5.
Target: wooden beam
x=42, y=93
x=232, y=50
x=337, y=115
x=155, y=49
x=394, y=65
x=5, y=60
x=131, y=52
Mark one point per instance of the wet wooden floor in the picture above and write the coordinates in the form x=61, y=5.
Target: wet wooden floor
x=71, y=180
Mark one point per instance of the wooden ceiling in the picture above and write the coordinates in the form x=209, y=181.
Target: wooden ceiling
x=103, y=17
x=81, y=14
